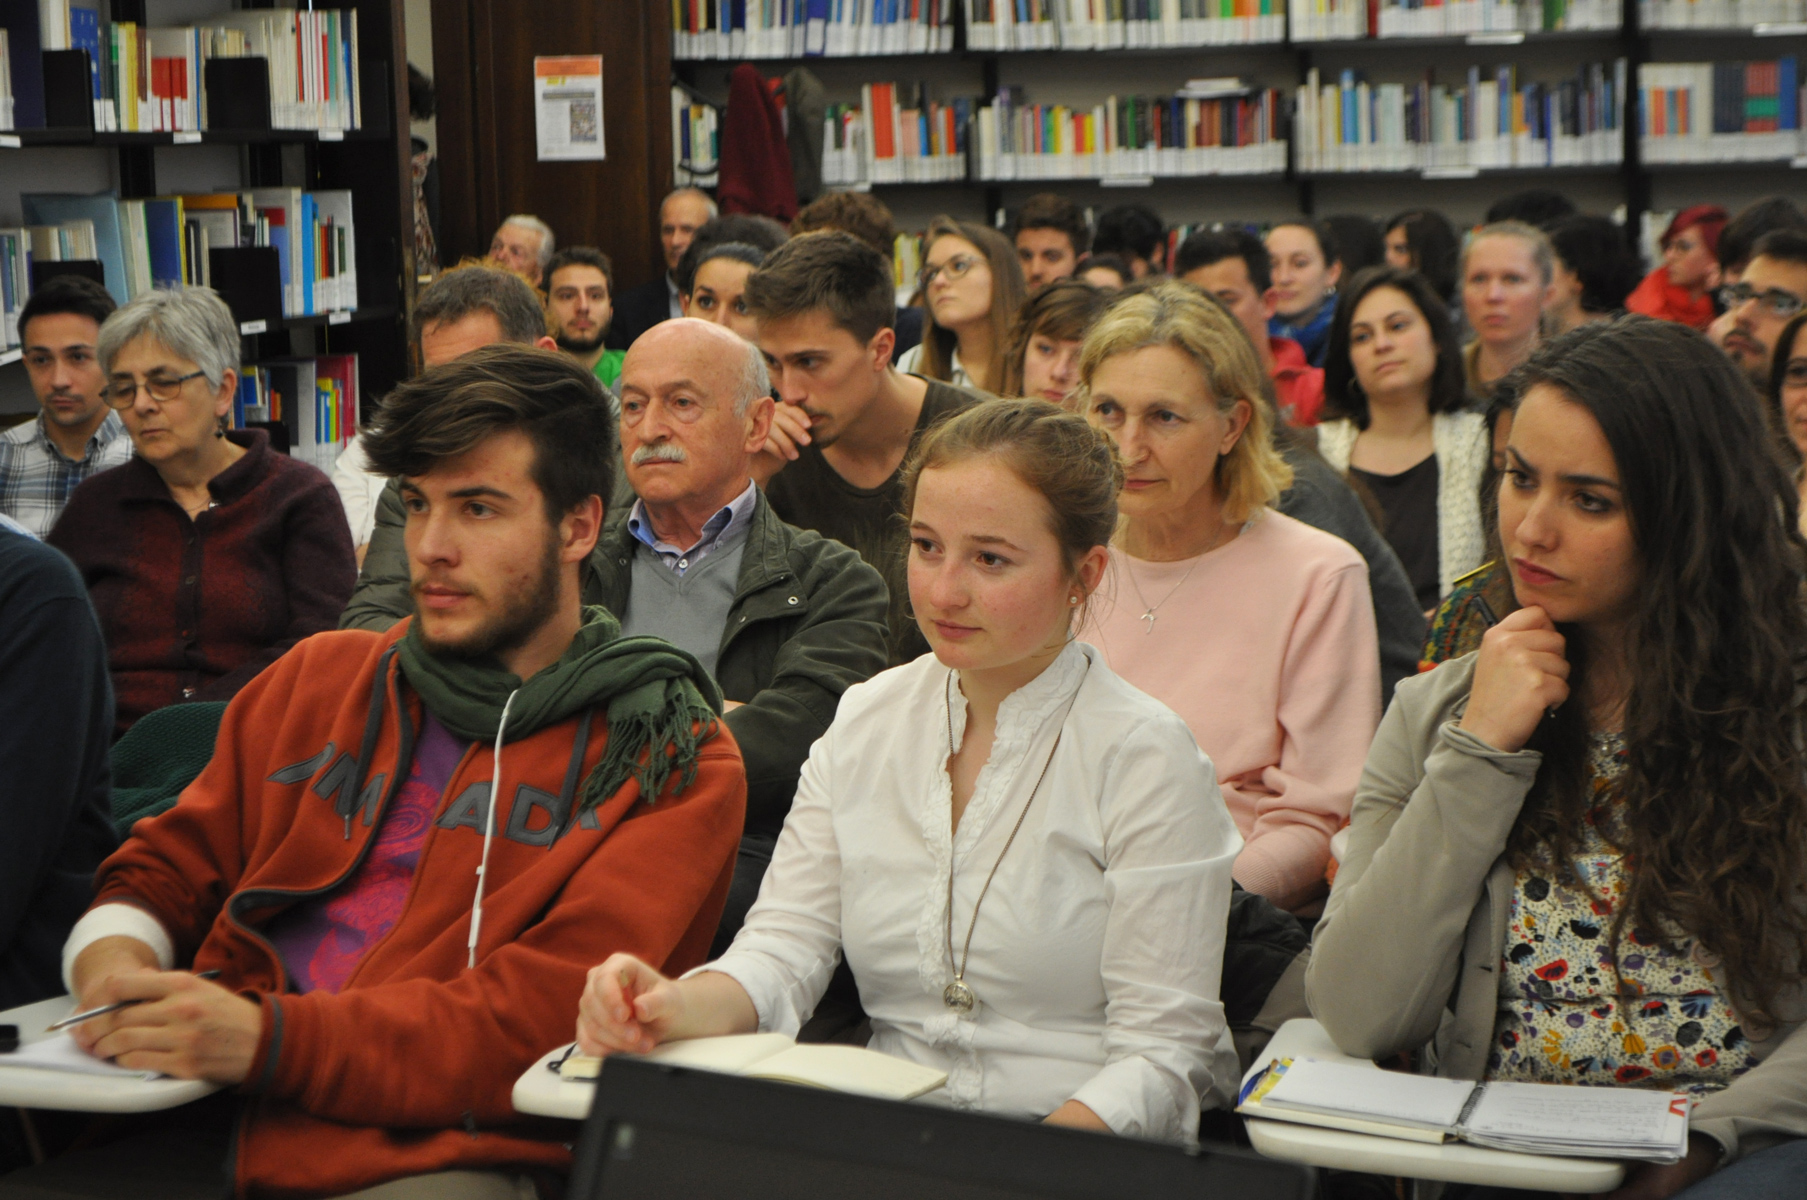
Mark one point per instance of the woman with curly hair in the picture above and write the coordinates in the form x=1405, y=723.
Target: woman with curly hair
x=1579, y=854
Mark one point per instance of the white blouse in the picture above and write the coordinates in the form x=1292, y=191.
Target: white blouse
x=1098, y=950
x=910, y=363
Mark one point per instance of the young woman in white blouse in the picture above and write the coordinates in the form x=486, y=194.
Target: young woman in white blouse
x=1023, y=858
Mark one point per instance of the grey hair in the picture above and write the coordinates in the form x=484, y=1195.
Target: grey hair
x=1542, y=252
x=529, y=221
x=462, y=291
x=690, y=191
x=190, y=322
x=755, y=381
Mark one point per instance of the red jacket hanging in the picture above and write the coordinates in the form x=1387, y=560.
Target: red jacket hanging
x=756, y=162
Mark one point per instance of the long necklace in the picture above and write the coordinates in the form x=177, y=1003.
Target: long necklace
x=1148, y=610
x=958, y=995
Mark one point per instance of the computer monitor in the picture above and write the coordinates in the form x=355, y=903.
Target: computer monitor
x=657, y=1132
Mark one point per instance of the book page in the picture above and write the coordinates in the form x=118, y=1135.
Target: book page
x=852, y=1069
x=1617, y=1116
x=731, y=1054
x=60, y=1053
x=1358, y=1091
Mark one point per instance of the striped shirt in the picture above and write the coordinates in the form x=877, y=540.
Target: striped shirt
x=36, y=479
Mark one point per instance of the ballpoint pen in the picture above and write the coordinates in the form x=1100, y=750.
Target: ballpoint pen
x=103, y=1010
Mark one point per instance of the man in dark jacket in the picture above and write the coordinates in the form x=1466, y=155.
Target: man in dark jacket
x=56, y=719
x=785, y=619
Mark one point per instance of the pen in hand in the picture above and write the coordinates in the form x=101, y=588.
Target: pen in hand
x=103, y=1010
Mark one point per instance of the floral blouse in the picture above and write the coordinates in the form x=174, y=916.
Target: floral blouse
x=1563, y=1018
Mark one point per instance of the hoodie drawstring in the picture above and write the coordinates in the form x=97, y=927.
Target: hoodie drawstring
x=489, y=827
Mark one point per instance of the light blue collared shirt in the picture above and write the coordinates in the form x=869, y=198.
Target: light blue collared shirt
x=728, y=523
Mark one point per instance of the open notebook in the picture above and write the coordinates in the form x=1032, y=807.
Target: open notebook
x=1532, y=1118
x=58, y=1052
x=774, y=1056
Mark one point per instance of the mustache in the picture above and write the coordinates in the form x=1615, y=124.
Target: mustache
x=660, y=452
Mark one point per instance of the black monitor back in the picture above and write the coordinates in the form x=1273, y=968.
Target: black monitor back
x=658, y=1132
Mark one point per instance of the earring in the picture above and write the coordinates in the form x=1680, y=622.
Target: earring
x=1072, y=599
x=219, y=429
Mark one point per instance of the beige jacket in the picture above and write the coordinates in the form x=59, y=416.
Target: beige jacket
x=1408, y=951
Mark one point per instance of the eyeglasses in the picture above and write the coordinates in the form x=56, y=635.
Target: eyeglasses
x=163, y=389
x=956, y=268
x=1776, y=302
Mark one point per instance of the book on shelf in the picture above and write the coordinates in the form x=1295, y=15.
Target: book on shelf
x=153, y=79
x=743, y=29
x=167, y=241
x=696, y=139
x=853, y=1069
x=1527, y=1118
x=1130, y=136
x=1719, y=14
x=1721, y=112
x=1492, y=119
x=908, y=138
x=1341, y=20
x=1121, y=24
x=315, y=398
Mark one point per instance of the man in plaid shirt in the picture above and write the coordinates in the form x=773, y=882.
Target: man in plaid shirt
x=76, y=435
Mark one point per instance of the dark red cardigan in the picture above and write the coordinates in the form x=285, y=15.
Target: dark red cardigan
x=193, y=609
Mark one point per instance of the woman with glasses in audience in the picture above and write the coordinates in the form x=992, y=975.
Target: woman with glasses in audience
x=1681, y=289
x=1305, y=272
x=1396, y=419
x=1788, y=400
x=1579, y=854
x=1043, y=357
x=1010, y=845
x=209, y=554
x=1256, y=628
x=1508, y=276
x=971, y=286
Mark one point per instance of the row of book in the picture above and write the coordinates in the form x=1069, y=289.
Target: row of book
x=1341, y=20
x=1121, y=24
x=696, y=137
x=1489, y=120
x=1131, y=136
x=742, y=29
x=167, y=242
x=315, y=397
x=1721, y=14
x=1720, y=112
x=154, y=79
x=904, y=137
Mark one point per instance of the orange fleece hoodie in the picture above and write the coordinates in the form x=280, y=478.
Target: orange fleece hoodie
x=409, y=1068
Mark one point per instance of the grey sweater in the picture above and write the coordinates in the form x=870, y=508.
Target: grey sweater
x=1407, y=953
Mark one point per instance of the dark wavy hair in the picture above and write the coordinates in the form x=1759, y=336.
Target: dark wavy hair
x=1778, y=371
x=1714, y=833
x=1434, y=246
x=1343, y=395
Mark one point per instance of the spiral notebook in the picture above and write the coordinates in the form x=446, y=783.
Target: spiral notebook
x=1530, y=1118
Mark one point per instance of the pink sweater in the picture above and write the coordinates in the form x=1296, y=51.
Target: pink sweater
x=1268, y=652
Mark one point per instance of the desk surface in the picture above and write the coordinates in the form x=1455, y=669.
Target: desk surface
x=29, y=1087
x=541, y=1092
x=1453, y=1162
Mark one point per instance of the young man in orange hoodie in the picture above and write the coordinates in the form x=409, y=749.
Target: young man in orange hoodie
x=393, y=952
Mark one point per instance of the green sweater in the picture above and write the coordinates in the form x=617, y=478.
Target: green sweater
x=807, y=623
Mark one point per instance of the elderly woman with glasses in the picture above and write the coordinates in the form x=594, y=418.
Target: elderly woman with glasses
x=208, y=554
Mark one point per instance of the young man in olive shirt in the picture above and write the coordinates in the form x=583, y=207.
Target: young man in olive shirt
x=846, y=419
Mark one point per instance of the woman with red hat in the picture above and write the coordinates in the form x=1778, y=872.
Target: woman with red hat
x=1682, y=288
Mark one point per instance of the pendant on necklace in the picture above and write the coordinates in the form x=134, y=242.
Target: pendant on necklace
x=1149, y=618
x=958, y=996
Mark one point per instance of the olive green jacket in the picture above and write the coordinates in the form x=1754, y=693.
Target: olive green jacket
x=807, y=623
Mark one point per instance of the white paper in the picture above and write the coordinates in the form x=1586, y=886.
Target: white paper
x=1419, y=1100
x=1623, y=1118
x=567, y=106
x=60, y=1053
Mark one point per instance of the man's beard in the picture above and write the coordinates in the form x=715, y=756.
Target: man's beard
x=571, y=345
x=521, y=616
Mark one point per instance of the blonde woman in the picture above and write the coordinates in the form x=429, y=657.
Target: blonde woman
x=972, y=287
x=1256, y=628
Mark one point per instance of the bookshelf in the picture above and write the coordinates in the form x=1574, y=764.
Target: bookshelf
x=1480, y=97
x=256, y=144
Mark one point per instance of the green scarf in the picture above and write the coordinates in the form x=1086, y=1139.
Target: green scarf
x=656, y=696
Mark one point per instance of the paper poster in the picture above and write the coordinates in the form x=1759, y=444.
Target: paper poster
x=567, y=103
